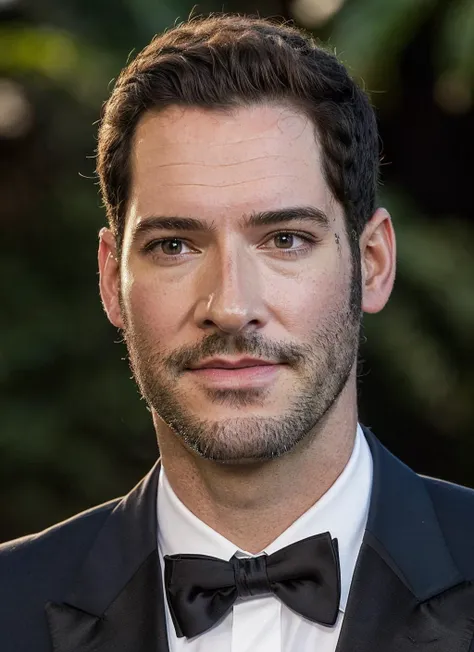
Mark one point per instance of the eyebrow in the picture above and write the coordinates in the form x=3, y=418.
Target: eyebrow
x=311, y=214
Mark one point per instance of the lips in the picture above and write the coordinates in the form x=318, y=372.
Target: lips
x=232, y=364
x=246, y=373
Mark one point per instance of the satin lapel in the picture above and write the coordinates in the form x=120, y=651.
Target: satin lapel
x=134, y=622
x=383, y=615
x=407, y=594
x=116, y=603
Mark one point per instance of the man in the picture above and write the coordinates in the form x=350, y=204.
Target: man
x=238, y=164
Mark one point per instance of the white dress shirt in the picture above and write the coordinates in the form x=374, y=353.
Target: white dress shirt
x=264, y=623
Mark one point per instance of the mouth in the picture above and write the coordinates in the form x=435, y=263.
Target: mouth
x=237, y=374
x=227, y=363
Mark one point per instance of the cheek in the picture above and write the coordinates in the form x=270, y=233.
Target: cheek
x=306, y=302
x=153, y=307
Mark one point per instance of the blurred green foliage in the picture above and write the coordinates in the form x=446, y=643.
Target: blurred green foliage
x=73, y=430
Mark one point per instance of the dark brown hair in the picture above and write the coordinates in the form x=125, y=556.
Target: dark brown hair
x=226, y=61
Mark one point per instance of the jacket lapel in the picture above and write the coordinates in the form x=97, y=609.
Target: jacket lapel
x=407, y=595
x=116, y=603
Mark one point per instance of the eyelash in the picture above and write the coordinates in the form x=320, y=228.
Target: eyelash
x=311, y=241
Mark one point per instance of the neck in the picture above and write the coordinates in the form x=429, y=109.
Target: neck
x=251, y=505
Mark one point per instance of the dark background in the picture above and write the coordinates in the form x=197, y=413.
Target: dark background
x=73, y=430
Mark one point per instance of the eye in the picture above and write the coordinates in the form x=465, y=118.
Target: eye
x=288, y=242
x=168, y=247
x=284, y=240
x=172, y=246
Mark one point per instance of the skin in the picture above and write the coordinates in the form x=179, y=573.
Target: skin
x=234, y=291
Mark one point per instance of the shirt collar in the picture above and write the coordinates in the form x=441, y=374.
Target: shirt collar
x=342, y=511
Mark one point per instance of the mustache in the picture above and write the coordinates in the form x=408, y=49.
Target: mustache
x=251, y=344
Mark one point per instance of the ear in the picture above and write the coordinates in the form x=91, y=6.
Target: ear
x=378, y=259
x=109, y=270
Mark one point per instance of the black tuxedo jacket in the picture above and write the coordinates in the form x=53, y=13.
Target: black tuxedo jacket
x=93, y=583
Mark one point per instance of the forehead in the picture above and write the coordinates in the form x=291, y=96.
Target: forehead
x=203, y=163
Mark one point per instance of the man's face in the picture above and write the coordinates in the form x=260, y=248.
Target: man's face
x=235, y=254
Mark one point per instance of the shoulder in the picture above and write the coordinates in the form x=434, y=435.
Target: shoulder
x=47, y=559
x=37, y=568
x=454, y=507
x=442, y=490
x=451, y=501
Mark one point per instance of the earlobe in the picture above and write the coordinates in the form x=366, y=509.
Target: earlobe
x=378, y=257
x=109, y=271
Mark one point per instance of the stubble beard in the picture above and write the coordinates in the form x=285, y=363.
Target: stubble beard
x=321, y=369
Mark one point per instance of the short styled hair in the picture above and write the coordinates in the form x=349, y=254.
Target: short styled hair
x=229, y=61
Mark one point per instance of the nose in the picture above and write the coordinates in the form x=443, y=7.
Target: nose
x=230, y=294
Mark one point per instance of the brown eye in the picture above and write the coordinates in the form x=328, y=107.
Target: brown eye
x=172, y=247
x=284, y=240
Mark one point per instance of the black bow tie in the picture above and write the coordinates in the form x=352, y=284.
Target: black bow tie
x=201, y=590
